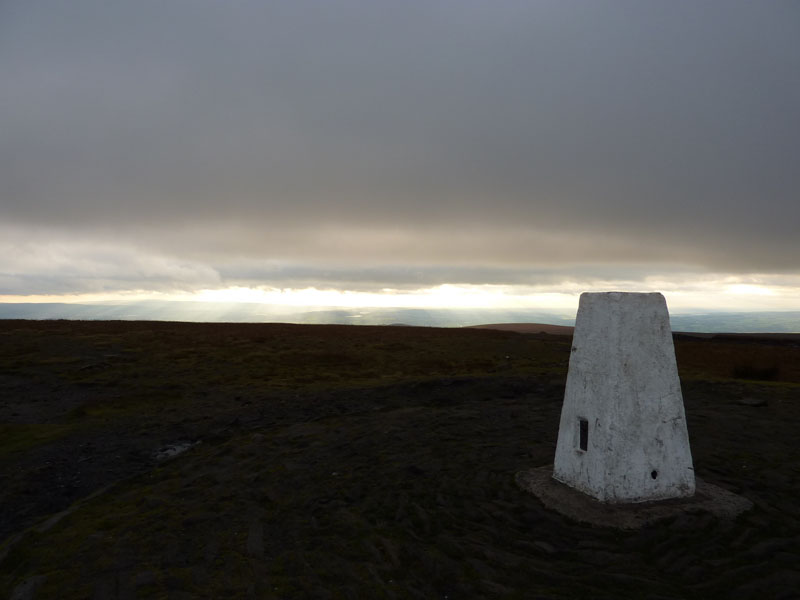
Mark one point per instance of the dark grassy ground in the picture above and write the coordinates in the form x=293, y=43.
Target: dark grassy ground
x=361, y=462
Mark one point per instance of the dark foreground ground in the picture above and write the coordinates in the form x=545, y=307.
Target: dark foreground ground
x=361, y=462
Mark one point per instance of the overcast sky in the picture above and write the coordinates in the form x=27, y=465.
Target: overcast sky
x=175, y=146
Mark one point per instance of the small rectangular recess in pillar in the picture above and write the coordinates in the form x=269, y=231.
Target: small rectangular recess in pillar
x=583, y=434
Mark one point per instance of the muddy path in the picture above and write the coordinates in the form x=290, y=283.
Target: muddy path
x=49, y=478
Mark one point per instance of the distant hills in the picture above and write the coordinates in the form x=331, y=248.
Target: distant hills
x=742, y=322
x=529, y=328
x=516, y=319
x=150, y=310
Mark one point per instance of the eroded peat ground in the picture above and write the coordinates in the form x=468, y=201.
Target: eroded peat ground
x=361, y=462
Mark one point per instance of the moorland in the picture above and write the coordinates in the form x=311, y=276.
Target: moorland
x=191, y=460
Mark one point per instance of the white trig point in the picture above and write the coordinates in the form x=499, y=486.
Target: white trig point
x=623, y=435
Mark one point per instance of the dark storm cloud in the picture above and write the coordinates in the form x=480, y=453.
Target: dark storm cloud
x=431, y=133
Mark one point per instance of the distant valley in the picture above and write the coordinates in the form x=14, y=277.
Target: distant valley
x=741, y=322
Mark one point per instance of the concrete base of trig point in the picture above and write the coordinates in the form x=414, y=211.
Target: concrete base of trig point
x=623, y=457
x=579, y=507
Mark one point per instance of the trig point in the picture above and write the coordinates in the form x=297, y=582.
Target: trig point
x=623, y=446
x=623, y=436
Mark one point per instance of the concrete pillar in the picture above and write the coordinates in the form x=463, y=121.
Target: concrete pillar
x=622, y=436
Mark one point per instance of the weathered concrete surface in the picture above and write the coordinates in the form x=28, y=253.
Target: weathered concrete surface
x=623, y=436
x=584, y=509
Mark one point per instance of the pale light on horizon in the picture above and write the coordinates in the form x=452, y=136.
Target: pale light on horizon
x=716, y=295
x=746, y=289
x=442, y=296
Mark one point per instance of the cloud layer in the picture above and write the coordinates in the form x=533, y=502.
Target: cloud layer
x=182, y=144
